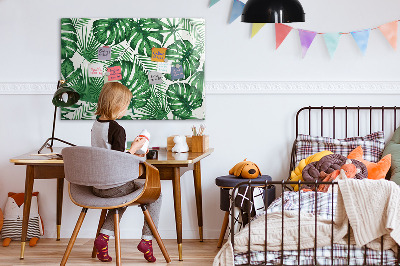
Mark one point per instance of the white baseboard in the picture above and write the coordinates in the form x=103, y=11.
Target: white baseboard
x=248, y=87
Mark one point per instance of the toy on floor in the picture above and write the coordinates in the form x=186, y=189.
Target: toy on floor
x=13, y=215
x=245, y=169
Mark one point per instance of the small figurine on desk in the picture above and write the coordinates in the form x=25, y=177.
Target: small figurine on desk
x=180, y=144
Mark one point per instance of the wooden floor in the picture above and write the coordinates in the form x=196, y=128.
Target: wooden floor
x=50, y=252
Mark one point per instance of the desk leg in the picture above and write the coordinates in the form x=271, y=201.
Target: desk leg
x=60, y=190
x=176, y=182
x=27, y=206
x=199, y=204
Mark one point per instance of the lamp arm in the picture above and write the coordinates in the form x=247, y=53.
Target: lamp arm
x=46, y=143
x=54, y=127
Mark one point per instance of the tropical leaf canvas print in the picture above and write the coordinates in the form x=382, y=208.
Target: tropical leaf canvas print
x=131, y=41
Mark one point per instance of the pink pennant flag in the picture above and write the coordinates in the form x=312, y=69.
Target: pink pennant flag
x=281, y=31
x=389, y=30
x=306, y=39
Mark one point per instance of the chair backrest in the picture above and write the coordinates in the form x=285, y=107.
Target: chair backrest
x=92, y=166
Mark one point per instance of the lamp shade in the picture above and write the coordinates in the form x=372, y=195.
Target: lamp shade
x=273, y=11
x=65, y=96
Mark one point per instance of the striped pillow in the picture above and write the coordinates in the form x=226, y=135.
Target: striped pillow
x=372, y=145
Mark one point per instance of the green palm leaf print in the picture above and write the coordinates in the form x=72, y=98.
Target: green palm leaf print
x=79, y=23
x=145, y=34
x=197, y=80
x=88, y=45
x=80, y=110
x=182, y=52
x=134, y=77
x=88, y=87
x=131, y=41
x=112, y=31
x=69, y=73
x=68, y=38
x=183, y=99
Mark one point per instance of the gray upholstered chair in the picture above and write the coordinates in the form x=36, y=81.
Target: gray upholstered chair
x=85, y=167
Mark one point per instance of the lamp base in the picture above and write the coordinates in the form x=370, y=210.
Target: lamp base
x=50, y=146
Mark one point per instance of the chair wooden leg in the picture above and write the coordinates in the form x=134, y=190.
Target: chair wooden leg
x=154, y=230
x=101, y=222
x=73, y=237
x=223, y=229
x=117, y=239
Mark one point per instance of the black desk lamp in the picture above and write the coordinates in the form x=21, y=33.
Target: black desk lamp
x=273, y=11
x=63, y=97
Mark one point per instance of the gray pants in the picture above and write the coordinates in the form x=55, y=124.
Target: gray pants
x=154, y=208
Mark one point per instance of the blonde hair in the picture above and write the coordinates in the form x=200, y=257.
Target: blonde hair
x=113, y=97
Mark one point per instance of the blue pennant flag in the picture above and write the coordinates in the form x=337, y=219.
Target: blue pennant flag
x=237, y=9
x=361, y=37
x=332, y=41
x=213, y=2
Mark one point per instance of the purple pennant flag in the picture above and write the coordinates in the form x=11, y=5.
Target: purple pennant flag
x=237, y=9
x=306, y=39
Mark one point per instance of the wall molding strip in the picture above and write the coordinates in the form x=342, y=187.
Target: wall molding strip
x=248, y=87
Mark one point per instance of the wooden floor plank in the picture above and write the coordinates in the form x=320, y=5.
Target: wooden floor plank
x=49, y=252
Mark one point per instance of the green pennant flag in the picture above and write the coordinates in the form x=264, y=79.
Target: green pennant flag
x=213, y=2
x=332, y=41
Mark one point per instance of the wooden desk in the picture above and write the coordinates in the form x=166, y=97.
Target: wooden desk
x=168, y=164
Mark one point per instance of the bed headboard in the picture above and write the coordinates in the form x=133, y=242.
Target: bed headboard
x=344, y=121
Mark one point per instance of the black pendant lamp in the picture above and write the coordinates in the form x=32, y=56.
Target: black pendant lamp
x=273, y=11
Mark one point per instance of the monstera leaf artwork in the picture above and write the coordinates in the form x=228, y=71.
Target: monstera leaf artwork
x=183, y=99
x=131, y=41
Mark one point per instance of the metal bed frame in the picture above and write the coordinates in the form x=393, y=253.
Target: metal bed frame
x=283, y=184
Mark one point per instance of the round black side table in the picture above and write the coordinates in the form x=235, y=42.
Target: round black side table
x=228, y=182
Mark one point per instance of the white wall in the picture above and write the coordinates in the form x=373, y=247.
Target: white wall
x=258, y=126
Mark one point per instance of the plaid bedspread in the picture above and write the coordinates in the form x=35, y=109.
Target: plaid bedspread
x=321, y=205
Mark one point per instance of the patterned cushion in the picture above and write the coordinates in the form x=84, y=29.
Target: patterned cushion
x=372, y=144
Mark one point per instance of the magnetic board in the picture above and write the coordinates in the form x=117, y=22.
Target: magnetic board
x=160, y=60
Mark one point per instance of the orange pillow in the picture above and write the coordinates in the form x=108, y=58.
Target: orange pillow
x=375, y=170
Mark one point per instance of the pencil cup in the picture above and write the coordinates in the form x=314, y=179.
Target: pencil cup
x=200, y=143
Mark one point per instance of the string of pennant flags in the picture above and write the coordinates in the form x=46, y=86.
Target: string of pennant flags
x=361, y=37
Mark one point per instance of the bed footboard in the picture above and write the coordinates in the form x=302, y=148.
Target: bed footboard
x=379, y=257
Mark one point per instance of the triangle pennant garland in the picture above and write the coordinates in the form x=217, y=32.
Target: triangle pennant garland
x=361, y=37
x=281, y=31
x=306, y=39
x=237, y=9
x=256, y=28
x=389, y=30
x=332, y=41
x=213, y=2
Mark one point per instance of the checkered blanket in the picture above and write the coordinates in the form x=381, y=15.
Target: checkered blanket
x=324, y=257
x=324, y=206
